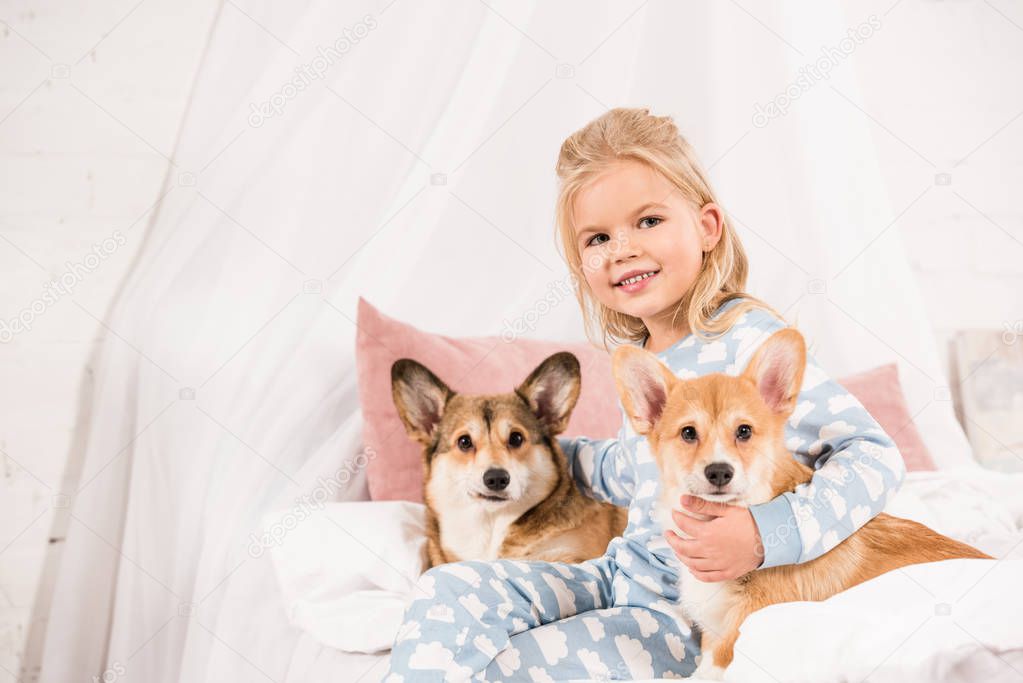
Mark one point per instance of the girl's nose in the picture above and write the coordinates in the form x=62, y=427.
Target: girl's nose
x=624, y=247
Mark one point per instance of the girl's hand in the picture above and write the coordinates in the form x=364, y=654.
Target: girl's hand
x=725, y=546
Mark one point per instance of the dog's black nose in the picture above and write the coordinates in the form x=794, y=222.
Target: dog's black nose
x=496, y=479
x=719, y=473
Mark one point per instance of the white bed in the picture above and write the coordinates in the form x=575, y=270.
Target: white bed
x=342, y=577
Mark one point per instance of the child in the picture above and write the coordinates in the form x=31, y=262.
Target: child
x=657, y=264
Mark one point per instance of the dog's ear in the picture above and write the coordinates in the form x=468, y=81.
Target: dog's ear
x=420, y=398
x=552, y=389
x=777, y=369
x=643, y=383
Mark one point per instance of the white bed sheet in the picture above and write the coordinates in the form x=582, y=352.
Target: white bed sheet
x=954, y=620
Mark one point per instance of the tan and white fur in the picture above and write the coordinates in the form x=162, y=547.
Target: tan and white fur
x=697, y=430
x=495, y=481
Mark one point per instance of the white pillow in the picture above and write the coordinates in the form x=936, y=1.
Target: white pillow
x=346, y=571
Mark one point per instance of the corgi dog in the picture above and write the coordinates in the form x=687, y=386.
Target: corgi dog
x=495, y=481
x=721, y=438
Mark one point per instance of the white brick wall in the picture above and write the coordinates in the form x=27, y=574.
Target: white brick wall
x=82, y=155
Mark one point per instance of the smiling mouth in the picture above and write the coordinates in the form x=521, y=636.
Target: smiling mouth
x=637, y=278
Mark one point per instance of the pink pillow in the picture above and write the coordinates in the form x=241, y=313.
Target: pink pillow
x=473, y=365
x=881, y=394
x=487, y=365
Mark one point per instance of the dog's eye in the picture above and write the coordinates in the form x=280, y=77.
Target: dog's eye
x=465, y=443
x=515, y=439
x=689, y=433
x=743, y=433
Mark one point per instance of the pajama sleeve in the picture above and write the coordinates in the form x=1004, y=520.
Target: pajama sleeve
x=857, y=468
x=601, y=468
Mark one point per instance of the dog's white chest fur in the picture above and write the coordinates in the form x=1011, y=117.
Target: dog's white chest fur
x=704, y=603
x=469, y=532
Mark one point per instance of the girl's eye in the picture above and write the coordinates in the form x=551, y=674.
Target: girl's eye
x=651, y=218
x=515, y=440
x=465, y=443
x=593, y=241
x=744, y=432
x=689, y=433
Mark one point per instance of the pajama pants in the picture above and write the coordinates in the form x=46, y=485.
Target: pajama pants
x=509, y=620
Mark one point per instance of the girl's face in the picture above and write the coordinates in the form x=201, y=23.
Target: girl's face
x=632, y=221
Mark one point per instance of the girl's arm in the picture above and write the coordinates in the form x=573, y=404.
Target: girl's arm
x=601, y=468
x=857, y=468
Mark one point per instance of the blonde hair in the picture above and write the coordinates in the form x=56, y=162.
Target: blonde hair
x=624, y=134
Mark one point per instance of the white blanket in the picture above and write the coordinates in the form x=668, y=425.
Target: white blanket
x=346, y=572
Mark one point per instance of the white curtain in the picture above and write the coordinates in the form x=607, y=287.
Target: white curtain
x=417, y=171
